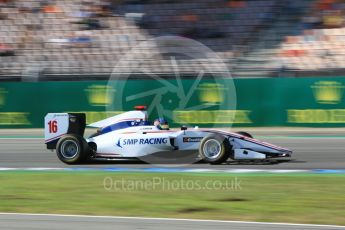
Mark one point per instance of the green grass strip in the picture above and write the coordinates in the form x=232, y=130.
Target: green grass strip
x=294, y=198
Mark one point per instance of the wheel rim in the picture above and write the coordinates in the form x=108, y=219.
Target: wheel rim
x=69, y=149
x=212, y=149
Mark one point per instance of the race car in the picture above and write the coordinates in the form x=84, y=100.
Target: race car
x=131, y=135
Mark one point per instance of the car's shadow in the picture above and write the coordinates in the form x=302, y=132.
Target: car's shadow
x=266, y=162
x=200, y=162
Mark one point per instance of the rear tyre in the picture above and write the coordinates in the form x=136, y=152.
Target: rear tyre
x=72, y=149
x=245, y=134
x=215, y=149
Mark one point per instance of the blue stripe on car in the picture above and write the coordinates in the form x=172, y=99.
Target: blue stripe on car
x=122, y=125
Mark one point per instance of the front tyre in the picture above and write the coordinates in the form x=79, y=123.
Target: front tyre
x=72, y=149
x=215, y=149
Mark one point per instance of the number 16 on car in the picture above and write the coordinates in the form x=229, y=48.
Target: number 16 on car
x=52, y=126
x=57, y=125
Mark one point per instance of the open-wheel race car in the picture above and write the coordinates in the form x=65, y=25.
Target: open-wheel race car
x=131, y=135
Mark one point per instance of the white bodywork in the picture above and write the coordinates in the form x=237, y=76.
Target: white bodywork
x=129, y=135
x=128, y=116
x=145, y=140
x=138, y=141
x=56, y=125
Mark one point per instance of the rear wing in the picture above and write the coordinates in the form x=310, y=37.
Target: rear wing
x=58, y=124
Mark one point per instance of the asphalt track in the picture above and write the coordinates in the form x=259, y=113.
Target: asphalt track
x=313, y=149
x=61, y=222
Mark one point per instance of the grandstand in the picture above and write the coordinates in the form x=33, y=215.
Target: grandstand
x=321, y=44
x=83, y=38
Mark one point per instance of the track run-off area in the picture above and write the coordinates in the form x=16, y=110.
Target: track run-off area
x=313, y=149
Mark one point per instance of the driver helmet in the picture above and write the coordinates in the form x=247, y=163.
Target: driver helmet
x=161, y=124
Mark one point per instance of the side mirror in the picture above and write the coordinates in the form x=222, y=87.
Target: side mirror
x=183, y=127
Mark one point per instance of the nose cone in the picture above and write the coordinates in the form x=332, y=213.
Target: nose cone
x=285, y=153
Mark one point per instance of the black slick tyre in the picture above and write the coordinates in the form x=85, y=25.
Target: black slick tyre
x=72, y=149
x=245, y=134
x=215, y=149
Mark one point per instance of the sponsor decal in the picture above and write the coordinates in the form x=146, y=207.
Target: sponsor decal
x=100, y=95
x=119, y=143
x=328, y=92
x=211, y=93
x=316, y=116
x=14, y=118
x=192, y=139
x=141, y=141
x=146, y=128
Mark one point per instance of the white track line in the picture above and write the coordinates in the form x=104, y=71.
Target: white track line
x=185, y=170
x=173, y=219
